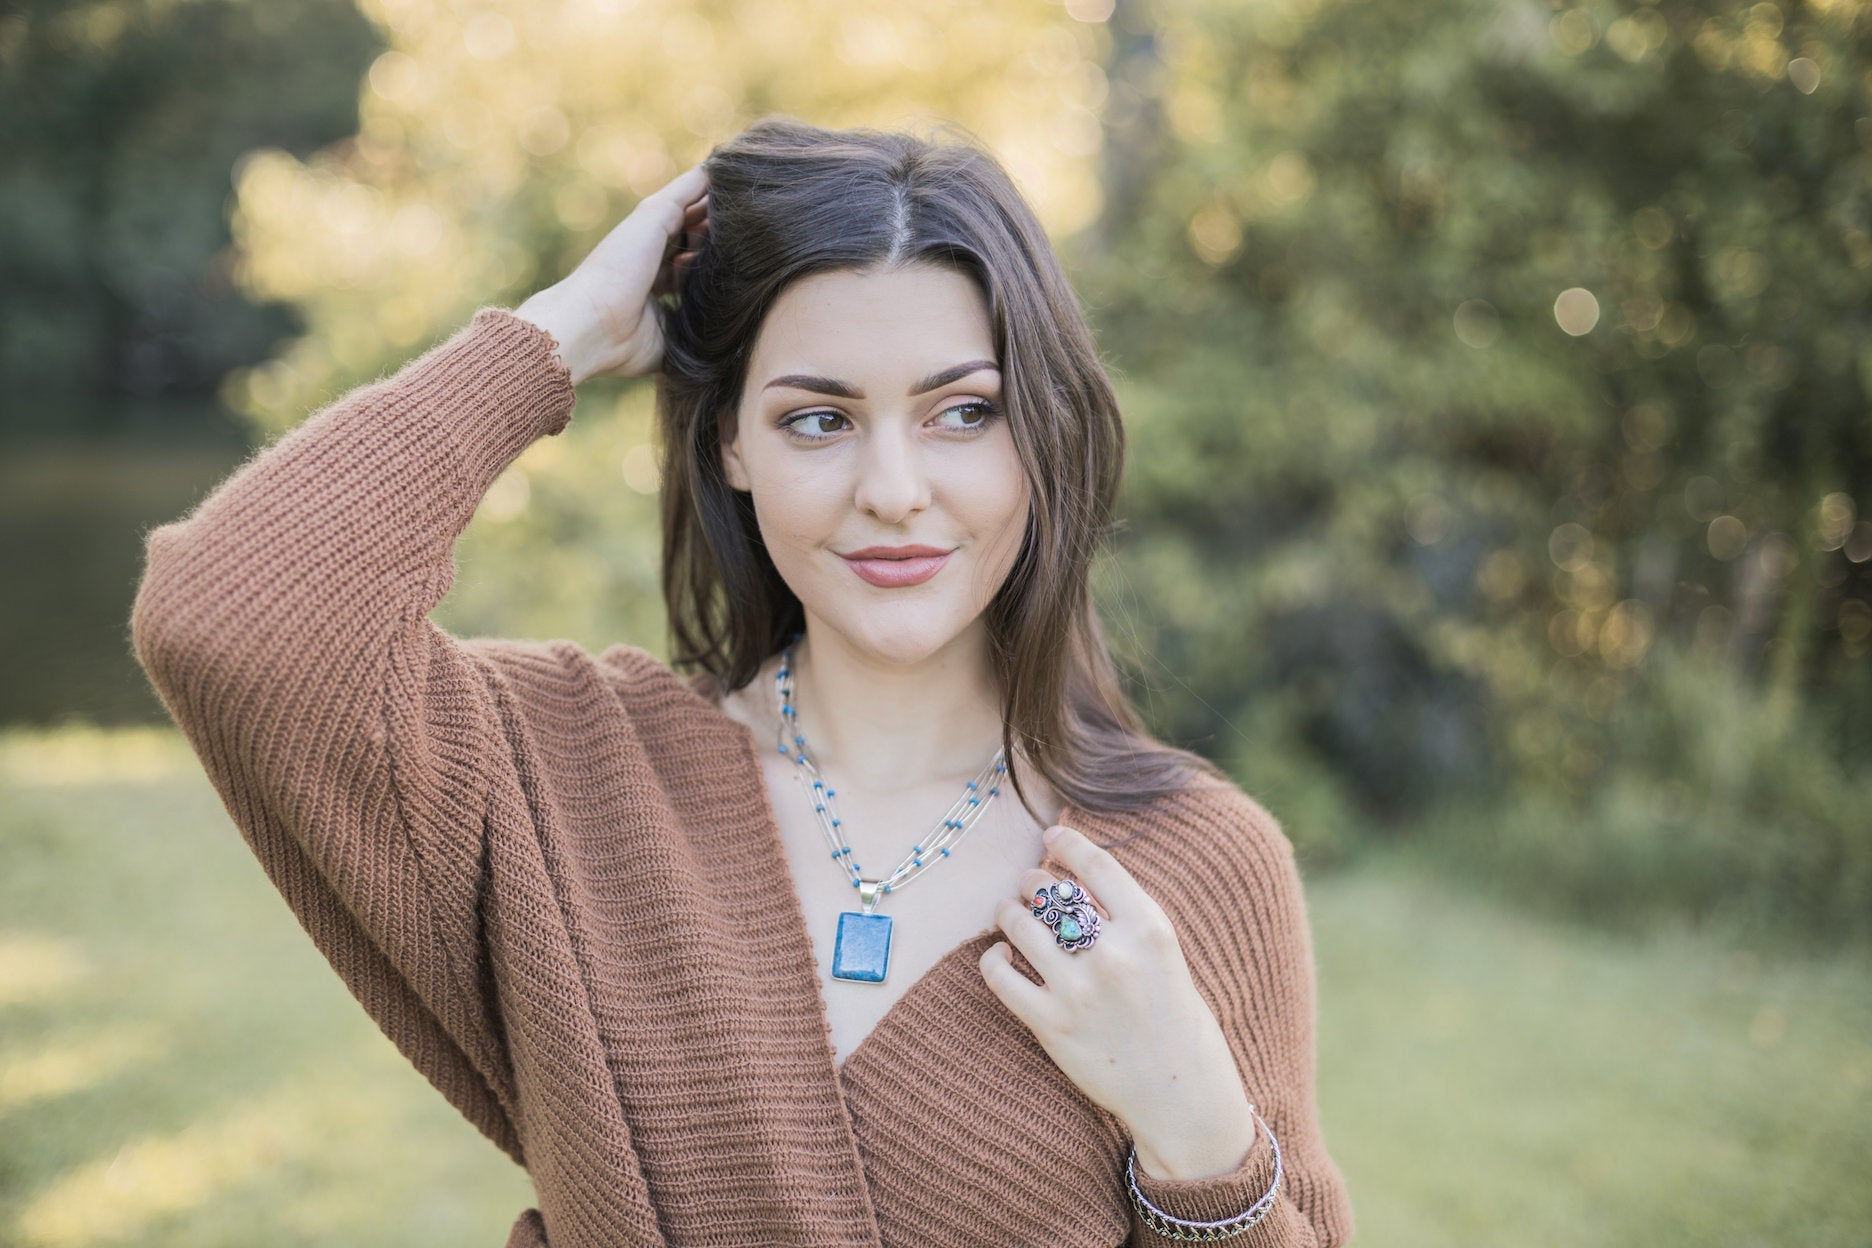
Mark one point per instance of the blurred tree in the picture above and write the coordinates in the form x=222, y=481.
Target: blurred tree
x=1484, y=359
x=119, y=120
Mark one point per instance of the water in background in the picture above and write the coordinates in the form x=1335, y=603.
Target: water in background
x=73, y=512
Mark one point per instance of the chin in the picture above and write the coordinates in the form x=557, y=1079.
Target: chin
x=903, y=633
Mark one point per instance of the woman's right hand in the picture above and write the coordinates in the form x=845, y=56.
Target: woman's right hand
x=605, y=315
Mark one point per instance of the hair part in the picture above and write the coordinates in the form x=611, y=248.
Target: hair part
x=788, y=200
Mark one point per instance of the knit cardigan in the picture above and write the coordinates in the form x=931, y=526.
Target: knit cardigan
x=555, y=881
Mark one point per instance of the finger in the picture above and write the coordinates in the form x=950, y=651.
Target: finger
x=1101, y=874
x=1024, y=999
x=1033, y=879
x=692, y=230
x=1028, y=934
x=669, y=273
x=668, y=206
x=686, y=186
x=679, y=249
x=676, y=261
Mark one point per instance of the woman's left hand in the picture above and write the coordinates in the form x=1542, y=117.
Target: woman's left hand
x=1122, y=1018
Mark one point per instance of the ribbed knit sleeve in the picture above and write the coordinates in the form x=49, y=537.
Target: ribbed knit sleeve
x=284, y=622
x=1241, y=919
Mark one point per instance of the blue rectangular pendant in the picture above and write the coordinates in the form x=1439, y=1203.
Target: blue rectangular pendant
x=862, y=950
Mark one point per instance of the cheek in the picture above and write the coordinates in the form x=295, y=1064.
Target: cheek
x=997, y=513
x=798, y=512
x=1010, y=497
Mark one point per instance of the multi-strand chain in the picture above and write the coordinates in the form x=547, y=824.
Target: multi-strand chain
x=1172, y=1227
x=982, y=790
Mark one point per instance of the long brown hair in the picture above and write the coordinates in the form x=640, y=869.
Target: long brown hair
x=787, y=199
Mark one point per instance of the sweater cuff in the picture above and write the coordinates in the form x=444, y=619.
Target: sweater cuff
x=1224, y=1196
x=1220, y=1195
x=496, y=386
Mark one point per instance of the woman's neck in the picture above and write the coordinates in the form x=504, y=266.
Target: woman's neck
x=879, y=725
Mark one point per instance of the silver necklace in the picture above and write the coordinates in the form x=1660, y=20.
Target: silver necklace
x=861, y=950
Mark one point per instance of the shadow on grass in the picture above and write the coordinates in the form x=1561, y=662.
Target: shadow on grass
x=179, y=1064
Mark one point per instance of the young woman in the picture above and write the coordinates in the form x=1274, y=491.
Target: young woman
x=888, y=924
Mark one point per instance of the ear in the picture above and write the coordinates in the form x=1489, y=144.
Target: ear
x=732, y=467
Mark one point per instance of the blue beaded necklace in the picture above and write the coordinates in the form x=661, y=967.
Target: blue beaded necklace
x=861, y=950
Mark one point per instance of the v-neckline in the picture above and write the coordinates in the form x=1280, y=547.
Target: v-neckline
x=796, y=909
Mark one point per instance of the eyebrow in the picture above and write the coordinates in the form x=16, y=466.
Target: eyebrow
x=845, y=390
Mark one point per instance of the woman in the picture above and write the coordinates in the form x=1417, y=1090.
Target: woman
x=621, y=918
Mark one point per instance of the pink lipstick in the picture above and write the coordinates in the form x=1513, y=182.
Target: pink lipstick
x=891, y=567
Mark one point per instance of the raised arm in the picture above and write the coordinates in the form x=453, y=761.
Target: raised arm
x=284, y=622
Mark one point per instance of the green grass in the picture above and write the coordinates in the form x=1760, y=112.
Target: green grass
x=1493, y=1077
x=178, y=1066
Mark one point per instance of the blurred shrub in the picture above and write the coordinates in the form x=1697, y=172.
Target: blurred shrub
x=1496, y=377
x=1718, y=803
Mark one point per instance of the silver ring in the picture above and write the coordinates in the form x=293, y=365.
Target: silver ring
x=1066, y=909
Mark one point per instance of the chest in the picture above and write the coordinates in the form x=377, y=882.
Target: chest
x=947, y=904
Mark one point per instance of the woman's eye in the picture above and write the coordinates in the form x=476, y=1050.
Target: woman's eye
x=981, y=410
x=801, y=426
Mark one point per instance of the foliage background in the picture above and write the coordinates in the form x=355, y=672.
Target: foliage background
x=1496, y=376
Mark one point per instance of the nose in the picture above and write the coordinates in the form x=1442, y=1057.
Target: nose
x=893, y=484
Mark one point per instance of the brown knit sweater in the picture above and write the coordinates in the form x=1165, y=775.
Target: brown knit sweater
x=555, y=881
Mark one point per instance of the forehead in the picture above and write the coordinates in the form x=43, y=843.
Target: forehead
x=878, y=325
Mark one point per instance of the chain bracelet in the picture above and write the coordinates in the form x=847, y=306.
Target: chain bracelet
x=1171, y=1227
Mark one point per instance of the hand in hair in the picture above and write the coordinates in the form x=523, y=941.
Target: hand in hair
x=605, y=315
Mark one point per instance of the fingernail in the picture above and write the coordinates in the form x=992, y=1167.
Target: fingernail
x=1051, y=834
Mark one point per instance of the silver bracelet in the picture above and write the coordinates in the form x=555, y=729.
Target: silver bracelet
x=1178, y=1228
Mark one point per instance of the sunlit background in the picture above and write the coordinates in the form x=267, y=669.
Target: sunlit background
x=1498, y=511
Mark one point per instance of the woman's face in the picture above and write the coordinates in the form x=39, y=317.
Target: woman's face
x=871, y=417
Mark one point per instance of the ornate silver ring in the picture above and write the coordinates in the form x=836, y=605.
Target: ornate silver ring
x=1066, y=908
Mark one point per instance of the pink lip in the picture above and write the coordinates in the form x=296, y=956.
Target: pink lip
x=890, y=567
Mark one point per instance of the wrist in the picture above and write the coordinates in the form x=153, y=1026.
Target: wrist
x=1199, y=1147
x=569, y=318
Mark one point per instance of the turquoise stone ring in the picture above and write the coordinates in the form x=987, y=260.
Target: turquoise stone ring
x=1065, y=908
